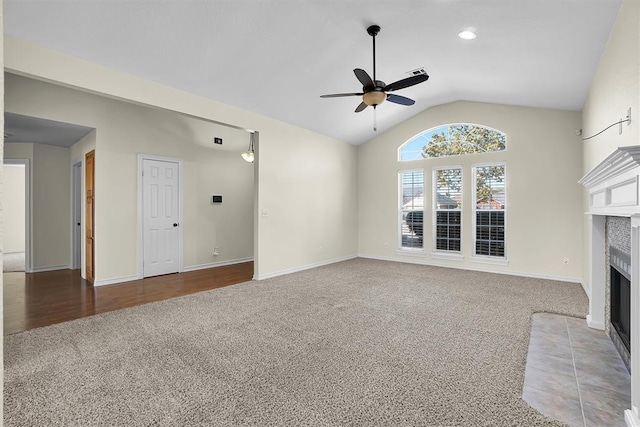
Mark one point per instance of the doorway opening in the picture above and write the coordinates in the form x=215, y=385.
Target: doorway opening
x=16, y=226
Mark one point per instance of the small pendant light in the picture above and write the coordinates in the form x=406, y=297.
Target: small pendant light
x=249, y=154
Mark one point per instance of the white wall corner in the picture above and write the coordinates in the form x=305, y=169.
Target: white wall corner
x=302, y=268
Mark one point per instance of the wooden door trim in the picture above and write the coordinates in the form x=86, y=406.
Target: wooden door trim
x=140, y=214
x=89, y=217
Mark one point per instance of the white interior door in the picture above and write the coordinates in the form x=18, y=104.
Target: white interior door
x=160, y=188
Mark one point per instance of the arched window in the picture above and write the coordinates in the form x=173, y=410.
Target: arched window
x=452, y=140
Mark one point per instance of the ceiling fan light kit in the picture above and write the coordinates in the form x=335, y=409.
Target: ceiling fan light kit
x=374, y=98
x=375, y=92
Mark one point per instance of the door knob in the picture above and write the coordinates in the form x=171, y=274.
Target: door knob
x=175, y=224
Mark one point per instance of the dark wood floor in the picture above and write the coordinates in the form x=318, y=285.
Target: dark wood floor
x=41, y=299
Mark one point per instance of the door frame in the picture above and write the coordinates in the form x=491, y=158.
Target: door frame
x=140, y=222
x=77, y=189
x=27, y=209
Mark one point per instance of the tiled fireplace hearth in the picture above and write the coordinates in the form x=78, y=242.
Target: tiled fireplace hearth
x=614, y=199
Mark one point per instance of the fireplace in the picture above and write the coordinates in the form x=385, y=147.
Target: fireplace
x=620, y=302
x=614, y=192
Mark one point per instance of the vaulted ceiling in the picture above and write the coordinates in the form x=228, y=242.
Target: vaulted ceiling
x=277, y=57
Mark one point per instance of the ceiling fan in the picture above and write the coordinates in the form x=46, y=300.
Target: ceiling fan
x=374, y=92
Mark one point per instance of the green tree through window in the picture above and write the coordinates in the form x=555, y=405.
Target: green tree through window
x=453, y=140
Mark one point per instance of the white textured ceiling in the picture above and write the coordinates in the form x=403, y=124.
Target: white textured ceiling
x=19, y=128
x=276, y=57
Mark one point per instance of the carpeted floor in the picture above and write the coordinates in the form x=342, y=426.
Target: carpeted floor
x=361, y=342
x=12, y=262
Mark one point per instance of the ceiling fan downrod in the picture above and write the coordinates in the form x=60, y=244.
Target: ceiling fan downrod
x=373, y=31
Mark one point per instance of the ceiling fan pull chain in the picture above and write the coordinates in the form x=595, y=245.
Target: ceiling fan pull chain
x=375, y=120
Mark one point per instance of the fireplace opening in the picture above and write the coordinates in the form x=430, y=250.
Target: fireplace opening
x=620, y=302
x=621, y=306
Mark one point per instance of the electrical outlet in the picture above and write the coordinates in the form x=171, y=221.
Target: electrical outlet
x=216, y=251
x=321, y=249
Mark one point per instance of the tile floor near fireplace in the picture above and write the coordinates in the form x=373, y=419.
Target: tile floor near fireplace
x=574, y=373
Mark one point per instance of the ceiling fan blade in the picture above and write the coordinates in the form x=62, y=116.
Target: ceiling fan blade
x=409, y=81
x=338, y=95
x=402, y=100
x=361, y=107
x=364, y=77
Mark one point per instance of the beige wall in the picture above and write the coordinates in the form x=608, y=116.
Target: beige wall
x=544, y=210
x=614, y=89
x=13, y=200
x=50, y=209
x=290, y=172
x=122, y=131
x=50, y=194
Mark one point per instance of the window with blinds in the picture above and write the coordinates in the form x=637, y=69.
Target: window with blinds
x=447, y=205
x=490, y=210
x=411, y=209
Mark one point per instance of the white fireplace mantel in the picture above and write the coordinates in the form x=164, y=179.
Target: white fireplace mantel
x=613, y=184
x=614, y=190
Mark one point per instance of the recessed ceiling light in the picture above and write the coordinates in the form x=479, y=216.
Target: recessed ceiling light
x=467, y=35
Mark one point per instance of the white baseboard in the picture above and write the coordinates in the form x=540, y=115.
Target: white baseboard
x=422, y=261
x=113, y=281
x=302, y=268
x=49, y=268
x=631, y=418
x=216, y=264
x=586, y=291
x=594, y=325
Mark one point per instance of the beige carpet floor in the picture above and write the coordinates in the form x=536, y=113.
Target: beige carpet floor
x=361, y=342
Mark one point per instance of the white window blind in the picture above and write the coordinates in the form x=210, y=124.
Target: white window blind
x=411, y=209
x=447, y=207
x=490, y=210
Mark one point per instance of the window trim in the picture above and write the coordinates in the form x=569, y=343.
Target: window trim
x=402, y=250
x=434, y=209
x=448, y=125
x=503, y=260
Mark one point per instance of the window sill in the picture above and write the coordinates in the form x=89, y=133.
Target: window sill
x=411, y=252
x=488, y=260
x=447, y=256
